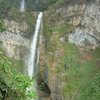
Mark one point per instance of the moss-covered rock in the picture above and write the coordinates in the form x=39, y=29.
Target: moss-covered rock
x=70, y=67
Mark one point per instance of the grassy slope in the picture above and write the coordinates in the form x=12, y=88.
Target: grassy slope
x=82, y=69
x=78, y=68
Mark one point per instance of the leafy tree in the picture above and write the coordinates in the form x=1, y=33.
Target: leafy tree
x=13, y=85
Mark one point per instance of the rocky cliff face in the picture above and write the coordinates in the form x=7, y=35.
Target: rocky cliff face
x=70, y=46
x=89, y=29
x=71, y=31
x=17, y=36
x=83, y=15
x=12, y=40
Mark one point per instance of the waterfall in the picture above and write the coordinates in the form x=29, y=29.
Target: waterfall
x=22, y=6
x=31, y=63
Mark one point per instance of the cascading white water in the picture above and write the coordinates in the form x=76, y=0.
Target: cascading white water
x=22, y=6
x=31, y=63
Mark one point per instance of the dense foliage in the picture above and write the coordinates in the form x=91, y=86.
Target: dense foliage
x=4, y=7
x=13, y=85
x=38, y=5
x=2, y=26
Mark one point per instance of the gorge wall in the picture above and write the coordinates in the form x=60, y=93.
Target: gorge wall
x=69, y=47
x=19, y=28
x=12, y=39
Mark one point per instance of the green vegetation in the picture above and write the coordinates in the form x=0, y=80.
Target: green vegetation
x=63, y=29
x=9, y=9
x=75, y=67
x=91, y=91
x=78, y=70
x=26, y=17
x=18, y=64
x=13, y=84
x=2, y=26
x=39, y=5
x=44, y=4
x=95, y=53
x=47, y=31
x=59, y=30
x=62, y=1
x=4, y=7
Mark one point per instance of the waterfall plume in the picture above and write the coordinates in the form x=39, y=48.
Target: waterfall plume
x=22, y=6
x=32, y=56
